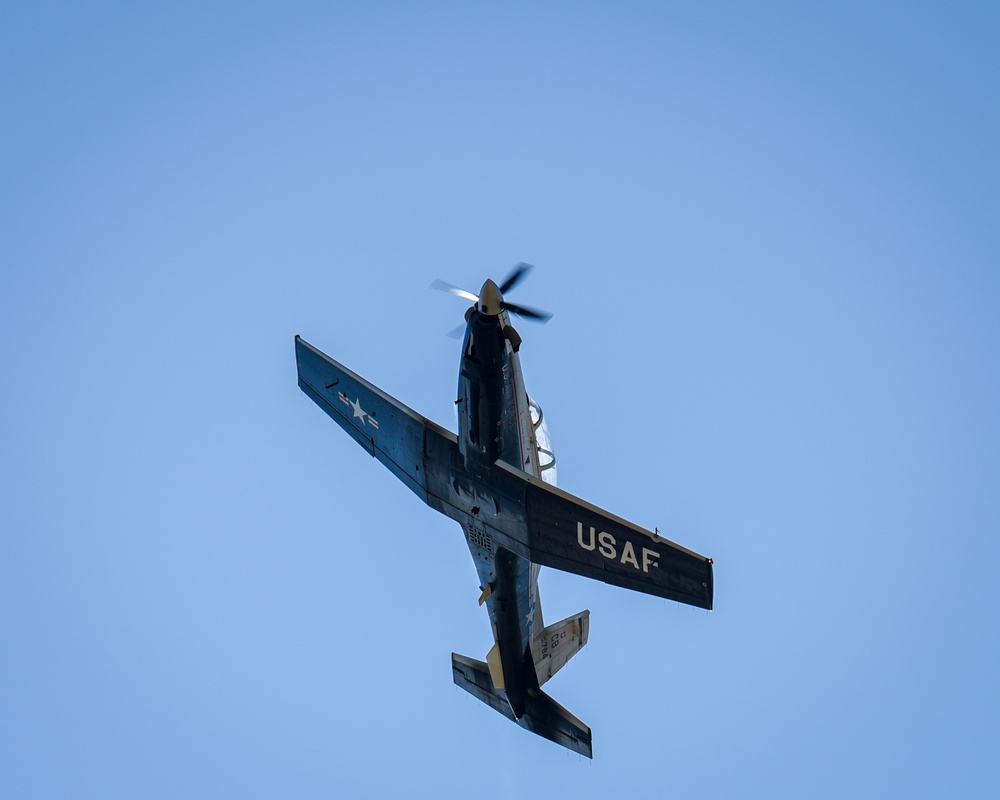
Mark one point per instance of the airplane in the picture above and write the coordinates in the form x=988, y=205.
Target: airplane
x=496, y=478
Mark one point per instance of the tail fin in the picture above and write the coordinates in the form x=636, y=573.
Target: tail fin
x=542, y=715
x=558, y=643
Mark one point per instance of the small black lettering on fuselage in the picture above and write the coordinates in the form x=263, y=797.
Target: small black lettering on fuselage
x=608, y=546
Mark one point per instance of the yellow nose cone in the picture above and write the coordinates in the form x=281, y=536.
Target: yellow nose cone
x=490, y=299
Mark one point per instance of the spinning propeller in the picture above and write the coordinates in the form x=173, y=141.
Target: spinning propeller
x=490, y=300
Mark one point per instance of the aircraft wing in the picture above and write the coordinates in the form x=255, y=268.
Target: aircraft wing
x=556, y=529
x=570, y=534
x=396, y=435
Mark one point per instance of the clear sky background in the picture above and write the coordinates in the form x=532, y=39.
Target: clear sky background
x=770, y=240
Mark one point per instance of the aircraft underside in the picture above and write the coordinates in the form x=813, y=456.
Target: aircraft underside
x=494, y=478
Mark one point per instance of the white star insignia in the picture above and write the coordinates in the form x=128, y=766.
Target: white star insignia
x=358, y=412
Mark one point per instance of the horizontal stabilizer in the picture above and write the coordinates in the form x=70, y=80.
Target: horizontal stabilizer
x=558, y=643
x=543, y=715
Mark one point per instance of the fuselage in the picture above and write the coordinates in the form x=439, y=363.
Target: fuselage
x=496, y=423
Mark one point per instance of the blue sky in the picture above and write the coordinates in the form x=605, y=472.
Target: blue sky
x=769, y=238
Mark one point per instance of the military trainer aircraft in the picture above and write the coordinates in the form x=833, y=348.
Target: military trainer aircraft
x=496, y=478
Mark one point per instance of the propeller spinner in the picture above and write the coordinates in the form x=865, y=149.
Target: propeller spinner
x=490, y=302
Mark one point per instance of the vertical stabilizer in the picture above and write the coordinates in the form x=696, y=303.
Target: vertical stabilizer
x=558, y=643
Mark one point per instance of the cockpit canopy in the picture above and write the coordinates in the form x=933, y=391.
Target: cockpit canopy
x=543, y=443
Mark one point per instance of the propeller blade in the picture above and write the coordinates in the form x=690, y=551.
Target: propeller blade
x=441, y=286
x=456, y=333
x=527, y=313
x=515, y=277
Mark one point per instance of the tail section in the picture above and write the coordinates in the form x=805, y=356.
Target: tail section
x=542, y=715
x=558, y=643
